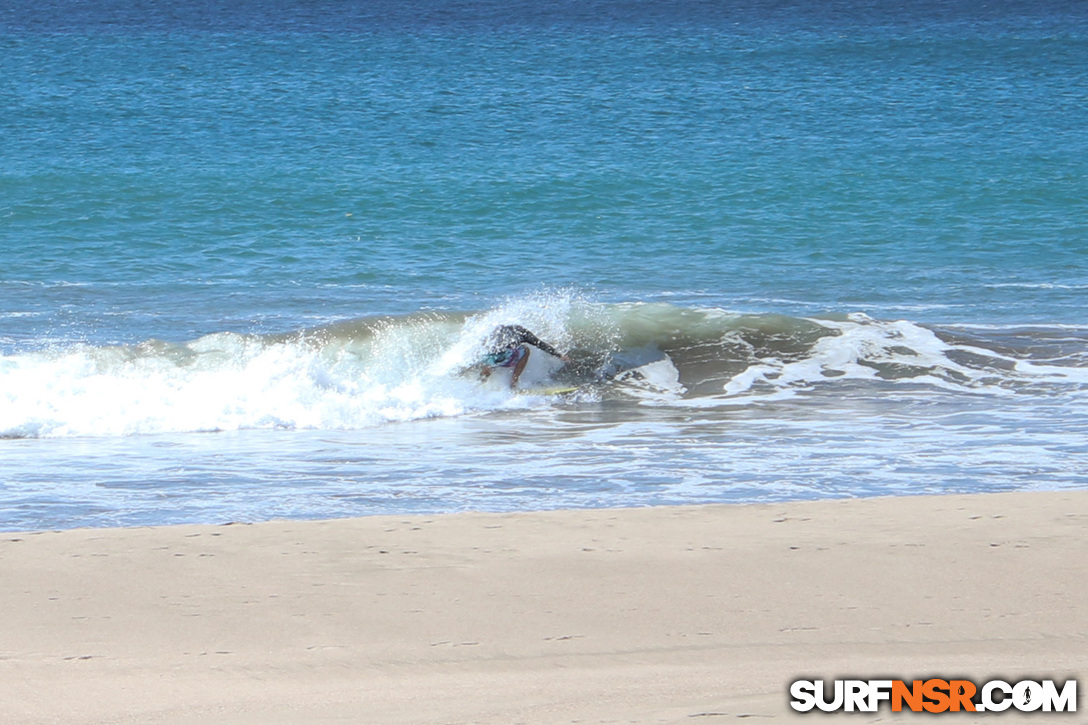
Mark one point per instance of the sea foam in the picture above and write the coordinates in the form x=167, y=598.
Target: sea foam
x=367, y=372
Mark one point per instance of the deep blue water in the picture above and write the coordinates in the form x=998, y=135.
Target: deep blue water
x=848, y=227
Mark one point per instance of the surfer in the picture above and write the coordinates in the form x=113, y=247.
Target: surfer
x=507, y=347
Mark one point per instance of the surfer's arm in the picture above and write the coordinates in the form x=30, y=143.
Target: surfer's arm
x=524, y=335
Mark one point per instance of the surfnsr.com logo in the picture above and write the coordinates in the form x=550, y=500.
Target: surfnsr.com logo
x=933, y=695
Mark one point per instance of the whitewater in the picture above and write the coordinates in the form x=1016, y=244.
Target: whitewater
x=362, y=373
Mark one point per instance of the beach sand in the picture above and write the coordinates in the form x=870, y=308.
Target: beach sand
x=698, y=614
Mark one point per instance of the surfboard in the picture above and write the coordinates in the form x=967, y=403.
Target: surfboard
x=555, y=390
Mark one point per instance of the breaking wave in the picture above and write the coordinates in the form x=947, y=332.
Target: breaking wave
x=371, y=371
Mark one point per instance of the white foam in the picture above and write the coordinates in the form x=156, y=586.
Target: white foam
x=225, y=385
x=227, y=381
x=372, y=372
x=864, y=346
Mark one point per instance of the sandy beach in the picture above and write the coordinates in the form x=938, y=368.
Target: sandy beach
x=657, y=615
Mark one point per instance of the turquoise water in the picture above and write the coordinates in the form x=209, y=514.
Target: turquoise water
x=796, y=250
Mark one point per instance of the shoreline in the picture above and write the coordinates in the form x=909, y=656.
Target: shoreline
x=637, y=615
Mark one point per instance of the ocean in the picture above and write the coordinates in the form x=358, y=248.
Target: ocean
x=250, y=253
